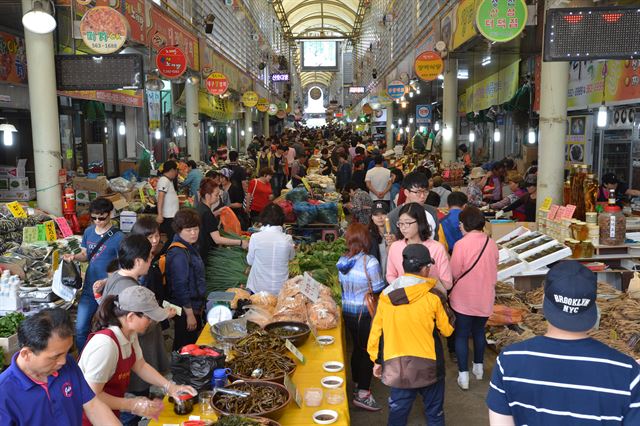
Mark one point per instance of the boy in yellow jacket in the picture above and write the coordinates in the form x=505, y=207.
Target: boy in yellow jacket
x=409, y=314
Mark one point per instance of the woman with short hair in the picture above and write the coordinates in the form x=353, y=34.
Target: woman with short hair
x=260, y=192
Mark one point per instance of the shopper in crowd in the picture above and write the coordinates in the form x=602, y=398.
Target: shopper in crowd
x=359, y=204
x=439, y=189
x=153, y=279
x=477, y=178
x=260, y=192
x=495, y=180
x=380, y=235
x=343, y=176
x=415, y=187
x=359, y=273
x=433, y=200
x=235, y=196
x=327, y=168
x=135, y=256
x=413, y=228
x=456, y=201
x=264, y=158
x=474, y=266
x=411, y=360
x=298, y=170
x=465, y=157
x=99, y=245
x=270, y=251
x=167, y=198
x=185, y=278
x=192, y=181
x=43, y=384
x=396, y=187
x=379, y=181
x=280, y=171
x=209, y=236
x=611, y=182
x=527, y=201
x=239, y=176
x=113, y=352
x=565, y=377
x=517, y=187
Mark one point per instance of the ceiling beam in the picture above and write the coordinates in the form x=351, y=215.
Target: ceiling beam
x=341, y=5
x=347, y=25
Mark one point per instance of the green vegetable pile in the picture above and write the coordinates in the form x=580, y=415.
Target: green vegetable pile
x=319, y=259
x=9, y=323
x=227, y=266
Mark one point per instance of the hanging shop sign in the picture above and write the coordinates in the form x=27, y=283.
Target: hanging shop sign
x=212, y=61
x=576, y=139
x=273, y=109
x=130, y=98
x=464, y=28
x=162, y=32
x=586, y=82
x=315, y=93
x=496, y=89
x=281, y=114
x=171, y=62
x=423, y=115
x=501, y=20
x=217, y=83
x=250, y=99
x=13, y=59
x=276, y=78
x=396, y=89
x=103, y=29
x=132, y=10
x=428, y=66
x=155, y=109
x=262, y=105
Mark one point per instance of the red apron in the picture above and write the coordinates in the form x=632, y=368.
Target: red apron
x=119, y=382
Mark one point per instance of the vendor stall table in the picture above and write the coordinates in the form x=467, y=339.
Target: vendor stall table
x=307, y=375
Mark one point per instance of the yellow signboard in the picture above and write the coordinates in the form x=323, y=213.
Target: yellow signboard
x=16, y=209
x=465, y=28
x=496, y=89
x=250, y=99
x=263, y=105
x=50, y=230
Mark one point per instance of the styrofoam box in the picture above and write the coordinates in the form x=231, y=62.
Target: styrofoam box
x=524, y=243
x=9, y=344
x=536, y=249
x=127, y=220
x=516, y=232
x=547, y=260
x=19, y=195
x=511, y=271
x=19, y=183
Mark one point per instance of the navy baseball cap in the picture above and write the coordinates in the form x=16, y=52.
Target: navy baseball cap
x=380, y=206
x=570, y=292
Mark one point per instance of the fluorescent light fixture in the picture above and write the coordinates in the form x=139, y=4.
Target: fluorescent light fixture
x=463, y=74
x=7, y=133
x=496, y=135
x=122, y=129
x=485, y=61
x=436, y=126
x=472, y=136
x=211, y=129
x=38, y=20
x=157, y=134
x=531, y=136
x=602, y=116
x=106, y=130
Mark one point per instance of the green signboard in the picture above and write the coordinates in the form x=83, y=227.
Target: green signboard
x=501, y=20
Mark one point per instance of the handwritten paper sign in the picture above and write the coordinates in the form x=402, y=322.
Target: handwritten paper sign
x=16, y=209
x=552, y=212
x=546, y=204
x=50, y=231
x=65, y=229
x=293, y=390
x=295, y=351
x=568, y=211
x=310, y=287
x=42, y=234
x=29, y=234
x=55, y=259
x=560, y=213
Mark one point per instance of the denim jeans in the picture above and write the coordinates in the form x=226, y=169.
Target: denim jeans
x=401, y=401
x=277, y=183
x=87, y=307
x=467, y=325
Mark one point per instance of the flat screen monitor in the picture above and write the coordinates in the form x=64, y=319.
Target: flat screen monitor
x=319, y=55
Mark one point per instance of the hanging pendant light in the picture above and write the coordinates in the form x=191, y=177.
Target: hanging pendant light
x=472, y=136
x=7, y=133
x=122, y=129
x=180, y=131
x=531, y=137
x=496, y=134
x=602, y=115
x=157, y=134
x=436, y=126
x=38, y=20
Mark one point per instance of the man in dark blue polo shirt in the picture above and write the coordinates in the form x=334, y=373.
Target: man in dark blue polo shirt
x=44, y=385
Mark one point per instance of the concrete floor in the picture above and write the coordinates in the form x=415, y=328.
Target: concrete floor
x=462, y=408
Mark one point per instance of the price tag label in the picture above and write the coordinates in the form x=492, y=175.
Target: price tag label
x=568, y=211
x=29, y=234
x=16, y=209
x=546, y=204
x=55, y=259
x=65, y=229
x=310, y=287
x=560, y=213
x=552, y=212
x=142, y=197
x=293, y=390
x=50, y=231
x=42, y=234
x=295, y=351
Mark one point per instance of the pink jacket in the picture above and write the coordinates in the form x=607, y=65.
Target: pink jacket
x=474, y=294
x=440, y=270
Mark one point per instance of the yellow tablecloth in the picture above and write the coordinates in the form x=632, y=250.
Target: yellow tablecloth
x=305, y=376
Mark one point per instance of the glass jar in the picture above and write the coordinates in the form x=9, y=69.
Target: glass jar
x=587, y=249
x=613, y=226
x=579, y=231
x=574, y=245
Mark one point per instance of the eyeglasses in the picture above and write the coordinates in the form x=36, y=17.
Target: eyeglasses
x=405, y=224
x=99, y=218
x=419, y=191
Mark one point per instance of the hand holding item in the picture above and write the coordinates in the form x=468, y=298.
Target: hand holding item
x=377, y=370
x=389, y=238
x=499, y=214
x=171, y=312
x=159, y=218
x=145, y=407
x=98, y=286
x=245, y=244
x=69, y=257
x=174, y=390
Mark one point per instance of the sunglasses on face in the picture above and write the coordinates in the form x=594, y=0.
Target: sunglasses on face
x=99, y=218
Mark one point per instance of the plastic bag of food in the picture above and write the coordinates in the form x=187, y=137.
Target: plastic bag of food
x=505, y=315
x=327, y=213
x=292, y=308
x=297, y=195
x=291, y=287
x=263, y=298
x=120, y=184
x=323, y=315
x=306, y=213
x=240, y=294
x=287, y=208
x=71, y=276
x=258, y=314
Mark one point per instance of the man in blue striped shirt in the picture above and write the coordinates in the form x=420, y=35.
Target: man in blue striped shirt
x=565, y=377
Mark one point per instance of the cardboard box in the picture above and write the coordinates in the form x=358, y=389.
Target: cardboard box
x=82, y=196
x=498, y=229
x=20, y=195
x=127, y=220
x=9, y=346
x=18, y=183
x=92, y=195
x=14, y=171
x=4, y=184
x=99, y=184
x=119, y=202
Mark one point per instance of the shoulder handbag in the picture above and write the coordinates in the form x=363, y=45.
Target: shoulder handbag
x=370, y=298
x=472, y=266
x=248, y=199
